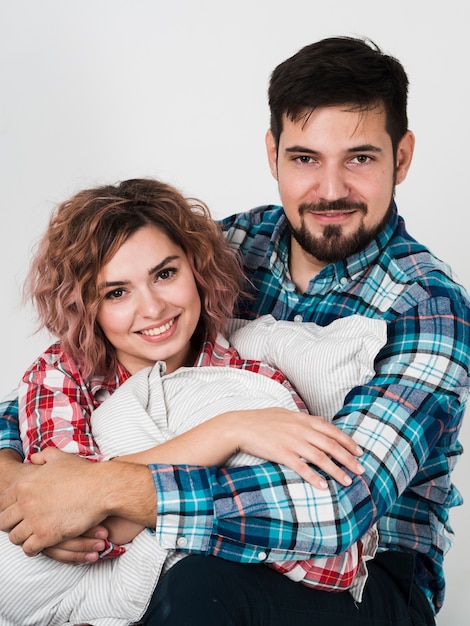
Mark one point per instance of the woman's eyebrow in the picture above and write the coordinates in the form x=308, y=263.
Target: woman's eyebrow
x=162, y=264
x=152, y=270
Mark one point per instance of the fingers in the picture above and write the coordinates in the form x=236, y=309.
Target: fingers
x=96, y=532
x=10, y=515
x=314, y=441
x=71, y=558
x=304, y=470
x=47, y=455
x=21, y=535
x=302, y=466
x=327, y=455
x=80, y=550
x=336, y=435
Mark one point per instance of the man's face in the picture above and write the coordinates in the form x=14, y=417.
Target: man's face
x=336, y=174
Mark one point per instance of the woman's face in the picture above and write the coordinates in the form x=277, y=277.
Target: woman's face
x=150, y=303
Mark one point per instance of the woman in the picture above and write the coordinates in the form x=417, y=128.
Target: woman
x=125, y=277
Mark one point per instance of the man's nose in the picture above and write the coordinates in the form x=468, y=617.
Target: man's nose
x=332, y=183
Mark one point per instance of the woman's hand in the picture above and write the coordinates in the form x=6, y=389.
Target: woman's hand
x=295, y=439
x=87, y=547
x=83, y=549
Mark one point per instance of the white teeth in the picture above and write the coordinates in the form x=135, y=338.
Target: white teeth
x=153, y=332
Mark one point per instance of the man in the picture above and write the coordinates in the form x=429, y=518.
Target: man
x=338, y=144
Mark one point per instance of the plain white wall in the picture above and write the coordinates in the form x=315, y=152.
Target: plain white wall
x=101, y=90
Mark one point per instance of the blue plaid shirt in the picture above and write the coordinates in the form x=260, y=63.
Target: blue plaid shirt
x=9, y=431
x=407, y=418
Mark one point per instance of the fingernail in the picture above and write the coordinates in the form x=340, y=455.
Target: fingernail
x=323, y=484
x=347, y=479
x=359, y=450
x=360, y=469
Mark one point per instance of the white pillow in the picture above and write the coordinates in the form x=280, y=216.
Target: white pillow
x=323, y=363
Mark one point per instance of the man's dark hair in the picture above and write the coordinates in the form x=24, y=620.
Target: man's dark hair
x=340, y=71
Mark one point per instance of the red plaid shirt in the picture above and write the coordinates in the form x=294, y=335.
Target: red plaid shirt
x=55, y=403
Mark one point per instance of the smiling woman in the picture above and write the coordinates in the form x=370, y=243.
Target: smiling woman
x=151, y=305
x=117, y=247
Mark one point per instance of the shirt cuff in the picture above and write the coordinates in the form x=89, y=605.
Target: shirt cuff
x=12, y=444
x=185, y=507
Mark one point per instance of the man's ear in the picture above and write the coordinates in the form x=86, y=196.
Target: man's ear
x=404, y=156
x=271, y=149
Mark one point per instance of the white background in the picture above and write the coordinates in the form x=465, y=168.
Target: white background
x=95, y=91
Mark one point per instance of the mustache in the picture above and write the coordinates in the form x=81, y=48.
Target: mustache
x=330, y=207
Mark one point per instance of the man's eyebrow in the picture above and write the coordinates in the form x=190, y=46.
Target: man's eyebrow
x=367, y=147
x=296, y=149
x=152, y=270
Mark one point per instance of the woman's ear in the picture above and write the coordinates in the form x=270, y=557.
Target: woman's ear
x=404, y=156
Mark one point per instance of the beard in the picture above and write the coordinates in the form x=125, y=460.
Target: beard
x=332, y=245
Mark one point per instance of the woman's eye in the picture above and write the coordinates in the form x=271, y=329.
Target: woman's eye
x=115, y=294
x=166, y=273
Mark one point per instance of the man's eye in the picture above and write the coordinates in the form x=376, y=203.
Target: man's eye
x=363, y=158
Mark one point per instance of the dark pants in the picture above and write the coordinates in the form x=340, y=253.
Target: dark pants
x=208, y=591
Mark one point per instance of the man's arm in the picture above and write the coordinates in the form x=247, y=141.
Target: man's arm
x=11, y=465
x=406, y=420
x=11, y=453
x=9, y=428
x=41, y=511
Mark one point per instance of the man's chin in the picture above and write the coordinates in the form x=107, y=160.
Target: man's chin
x=332, y=245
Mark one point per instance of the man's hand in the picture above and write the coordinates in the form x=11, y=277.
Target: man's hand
x=11, y=468
x=49, y=505
x=66, y=495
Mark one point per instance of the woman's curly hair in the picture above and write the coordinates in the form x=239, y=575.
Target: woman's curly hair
x=86, y=231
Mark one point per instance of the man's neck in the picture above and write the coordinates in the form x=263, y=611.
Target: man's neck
x=302, y=266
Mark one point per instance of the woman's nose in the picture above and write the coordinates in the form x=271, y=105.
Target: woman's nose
x=150, y=304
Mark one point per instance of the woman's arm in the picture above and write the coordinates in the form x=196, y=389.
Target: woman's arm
x=54, y=389
x=274, y=434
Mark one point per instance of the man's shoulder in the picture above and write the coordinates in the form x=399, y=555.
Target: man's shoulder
x=264, y=216
x=420, y=265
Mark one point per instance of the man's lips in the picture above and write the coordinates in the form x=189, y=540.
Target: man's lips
x=330, y=217
x=333, y=213
x=332, y=209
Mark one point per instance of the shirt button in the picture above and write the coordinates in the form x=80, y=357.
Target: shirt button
x=298, y=318
x=262, y=556
x=182, y=542
x=343, y=280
